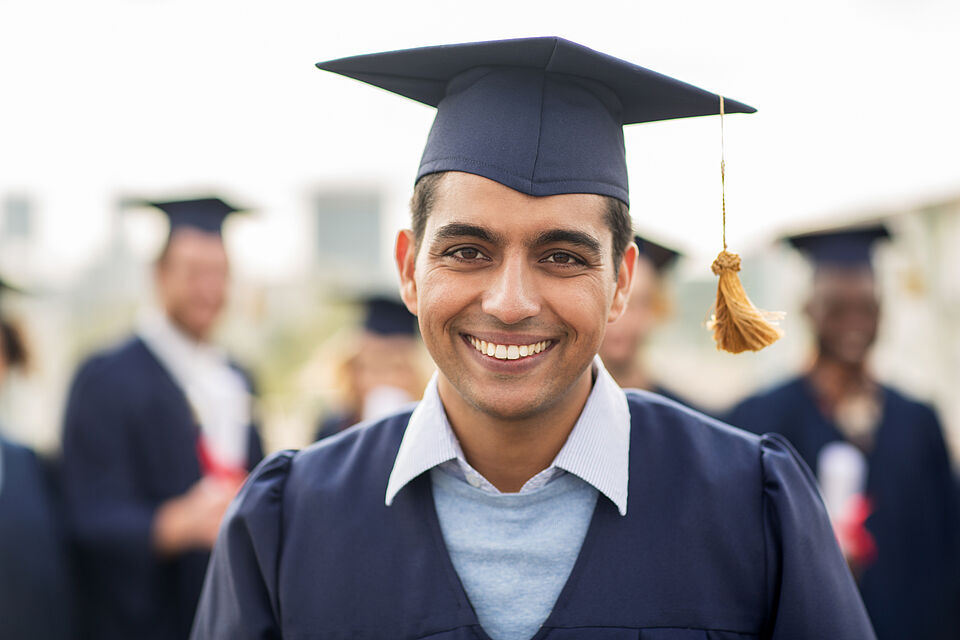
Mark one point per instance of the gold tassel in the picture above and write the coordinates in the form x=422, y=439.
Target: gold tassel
x=737, y=325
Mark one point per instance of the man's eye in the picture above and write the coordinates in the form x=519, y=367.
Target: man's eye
x=467, y=253
x=563, y=258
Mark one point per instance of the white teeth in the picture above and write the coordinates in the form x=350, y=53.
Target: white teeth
x=508, y=351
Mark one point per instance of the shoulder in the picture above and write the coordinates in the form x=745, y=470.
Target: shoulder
x=901, y=402
x=116, y=362
x=663, y=416
x=755, y=412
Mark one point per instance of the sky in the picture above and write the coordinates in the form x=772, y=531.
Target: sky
x=857, y=110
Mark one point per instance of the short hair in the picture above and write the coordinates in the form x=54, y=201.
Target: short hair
x=12, y=346
x=425, y=195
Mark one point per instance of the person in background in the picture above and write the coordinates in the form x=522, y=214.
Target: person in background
x=879, y=456
x=157, y=438
x=625, y=339
x=527, y=495
x=381, y=372
x=36, y=597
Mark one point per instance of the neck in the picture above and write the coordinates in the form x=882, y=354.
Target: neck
x=631, y=375
x=508, y=452
x=833, y=381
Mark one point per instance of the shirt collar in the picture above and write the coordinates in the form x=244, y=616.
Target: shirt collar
x=597, y=449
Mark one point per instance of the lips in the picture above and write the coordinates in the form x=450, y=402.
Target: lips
x=508, y=351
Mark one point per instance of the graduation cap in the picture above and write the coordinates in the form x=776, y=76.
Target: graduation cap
x=848, y=248
x=660, y=256
x=387, y=316
x=543, y=116
x=204, y=214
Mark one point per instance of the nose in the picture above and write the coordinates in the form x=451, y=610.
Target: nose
x=512, y=296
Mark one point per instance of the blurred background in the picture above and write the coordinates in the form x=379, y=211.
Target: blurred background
x=110, y=99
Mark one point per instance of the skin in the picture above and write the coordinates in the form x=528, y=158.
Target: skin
x=625, y=338
x=844, y=312
x=513, y=269
x=191, y=281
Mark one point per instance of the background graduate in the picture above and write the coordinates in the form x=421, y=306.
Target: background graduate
x=157, y=438
x=35, y=587
x=879, y=455
x=624, y=340
x=379, y=370
x=528, y=495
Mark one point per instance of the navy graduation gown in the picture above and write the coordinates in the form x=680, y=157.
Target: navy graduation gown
x=35, y=588
x=129, y=444
x=724, y=538
x=911, y=590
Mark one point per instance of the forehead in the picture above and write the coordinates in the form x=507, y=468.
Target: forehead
x=839, y=282
x=194, y=242
x=467, y=198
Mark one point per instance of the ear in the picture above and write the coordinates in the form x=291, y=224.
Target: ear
x=405, y=253
x=628, y=268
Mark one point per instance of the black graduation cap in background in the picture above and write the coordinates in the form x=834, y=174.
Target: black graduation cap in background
x=388, y=316
x=205, y=214
x=543, y=116
x=849, y=247
x=660, y=256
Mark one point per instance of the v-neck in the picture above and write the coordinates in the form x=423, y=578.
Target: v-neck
x=427, y=507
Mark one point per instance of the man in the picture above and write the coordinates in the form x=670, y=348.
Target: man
x=527, y=495
x=624, y=339
x=879, y=456
x=157, y=439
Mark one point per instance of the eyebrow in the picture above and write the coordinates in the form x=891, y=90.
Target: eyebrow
x=568, y=236
x=580, y=239
x=464, y=230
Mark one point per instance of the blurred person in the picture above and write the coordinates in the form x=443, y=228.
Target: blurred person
x=381, y=372
x=879, y=455
x=527, y=494
x=35, y=588
x=158, y=436
x=622, y=350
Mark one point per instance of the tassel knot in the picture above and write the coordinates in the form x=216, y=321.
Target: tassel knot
x=726, y=261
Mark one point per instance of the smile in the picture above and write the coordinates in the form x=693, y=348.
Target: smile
x=508, y=351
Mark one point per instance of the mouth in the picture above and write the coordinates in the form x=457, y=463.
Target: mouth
x=506, y=351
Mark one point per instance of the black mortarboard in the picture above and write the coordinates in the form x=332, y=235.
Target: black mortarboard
x=205, y=214
x=848, y=248
x=543, y=116
x=659, y=255
x=388, y=317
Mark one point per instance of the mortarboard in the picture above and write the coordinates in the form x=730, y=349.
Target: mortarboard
x=543, y=116
x=205, y=214
x=846, y=248
x=387, y=316
x=660, y=256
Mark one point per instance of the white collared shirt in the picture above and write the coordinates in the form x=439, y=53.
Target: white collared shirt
x=597, y=449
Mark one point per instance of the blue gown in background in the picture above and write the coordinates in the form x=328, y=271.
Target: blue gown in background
x=911, y=589
x=35, y=587
x=724, y=538
x=129, y=444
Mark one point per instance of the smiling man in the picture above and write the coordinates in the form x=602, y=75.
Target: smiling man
x=527, y=495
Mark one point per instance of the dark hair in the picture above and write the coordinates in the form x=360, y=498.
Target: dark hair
x=425, y=195
x=12, y=346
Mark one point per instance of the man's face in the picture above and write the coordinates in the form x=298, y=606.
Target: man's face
x=844, y=312
x=513, y=292
x=192, y=281
x=624, y=337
